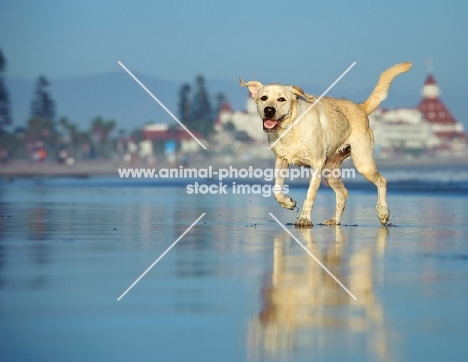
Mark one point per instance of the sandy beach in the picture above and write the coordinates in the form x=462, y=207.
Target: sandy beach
x=236, y=286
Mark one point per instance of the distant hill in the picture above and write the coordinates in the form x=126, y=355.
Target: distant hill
x=113, y=95
x=116, y=95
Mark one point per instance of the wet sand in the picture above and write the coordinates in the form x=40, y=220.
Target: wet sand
x=236, y=286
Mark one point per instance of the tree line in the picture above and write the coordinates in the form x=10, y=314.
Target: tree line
x=52, y=135
x=195, y=108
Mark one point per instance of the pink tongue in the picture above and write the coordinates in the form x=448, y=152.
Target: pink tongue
x=269, y=123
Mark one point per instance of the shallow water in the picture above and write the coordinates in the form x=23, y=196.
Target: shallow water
x=236, y=286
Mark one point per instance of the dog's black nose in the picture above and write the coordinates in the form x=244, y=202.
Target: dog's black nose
x=269, y=112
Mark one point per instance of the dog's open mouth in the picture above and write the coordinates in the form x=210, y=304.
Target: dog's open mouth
x=271, y=124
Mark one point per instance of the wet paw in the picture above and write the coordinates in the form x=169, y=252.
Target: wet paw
x=303, y=223
x=383, y=214
x=331, y=221
x=289, y=204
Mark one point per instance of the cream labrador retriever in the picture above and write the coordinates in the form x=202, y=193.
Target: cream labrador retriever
x=327, y=134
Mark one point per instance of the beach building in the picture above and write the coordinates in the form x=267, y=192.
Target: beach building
x=246, y=120
x=164, y=133
x=401, y=128
x=430, y=126
x=448, y=130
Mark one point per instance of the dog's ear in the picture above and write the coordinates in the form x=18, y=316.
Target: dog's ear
x=252, y=85
x=298, y=92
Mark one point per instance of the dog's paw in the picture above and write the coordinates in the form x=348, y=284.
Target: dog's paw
x=331, y=222
x=289, y=203
x=383, y=214
x=303, y=223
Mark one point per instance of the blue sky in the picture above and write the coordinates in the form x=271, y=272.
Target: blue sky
x=273, y=41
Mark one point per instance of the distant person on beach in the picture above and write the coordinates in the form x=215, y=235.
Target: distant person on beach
x=3, y=155
x=39, y=155
x=62, y=155
x=185, y=160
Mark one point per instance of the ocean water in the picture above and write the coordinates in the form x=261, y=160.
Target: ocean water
x=236, y=287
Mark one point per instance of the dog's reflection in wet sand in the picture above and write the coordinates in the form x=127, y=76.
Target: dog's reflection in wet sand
x=303, y=307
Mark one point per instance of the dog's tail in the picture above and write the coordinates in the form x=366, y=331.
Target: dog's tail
x=381, y=89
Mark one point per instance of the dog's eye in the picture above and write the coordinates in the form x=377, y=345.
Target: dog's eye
x=264, y=98
x=281, y=99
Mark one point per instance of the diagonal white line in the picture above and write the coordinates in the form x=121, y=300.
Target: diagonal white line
x=161, y=104
x=312, y=105
x=162, y=255
x=313, y=256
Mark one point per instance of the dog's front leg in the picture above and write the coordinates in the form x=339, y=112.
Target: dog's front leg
x=304, y=220
x=281, y=167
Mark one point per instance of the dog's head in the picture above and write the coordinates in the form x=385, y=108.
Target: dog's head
x=275, y=102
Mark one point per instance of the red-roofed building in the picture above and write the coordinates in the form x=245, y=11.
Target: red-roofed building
x=164, y=133
x=429, y=126
x=436, y=113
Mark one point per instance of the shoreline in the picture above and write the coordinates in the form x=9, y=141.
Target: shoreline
x=84, y=169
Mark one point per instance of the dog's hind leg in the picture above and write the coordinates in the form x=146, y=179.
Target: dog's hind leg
x=334, y=181
x=363, y=159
